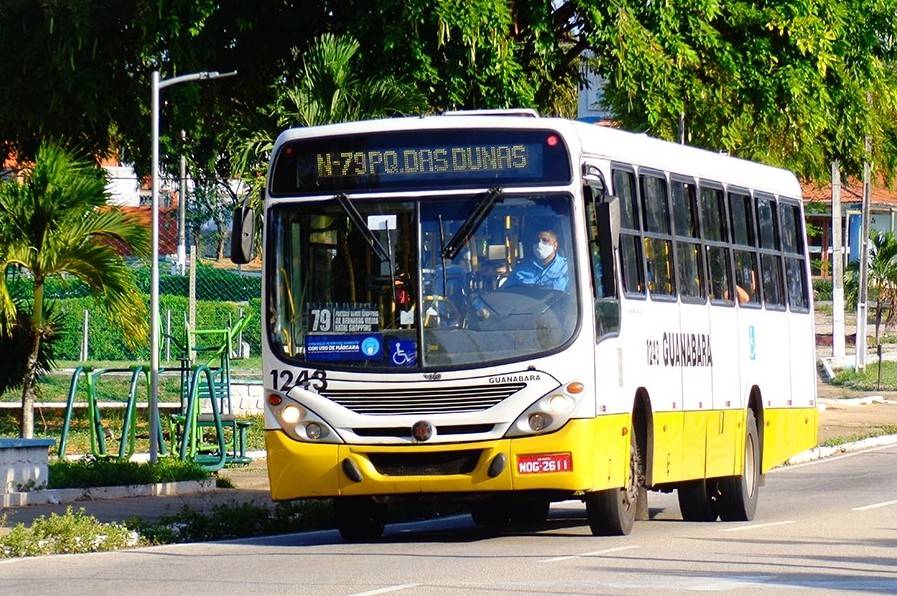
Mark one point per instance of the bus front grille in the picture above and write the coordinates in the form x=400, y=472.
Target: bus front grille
x=432, y=400
x=426, y=464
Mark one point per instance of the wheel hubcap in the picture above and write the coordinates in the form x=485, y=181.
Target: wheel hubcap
x=749, y=465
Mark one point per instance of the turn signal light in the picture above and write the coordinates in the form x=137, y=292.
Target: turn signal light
x=575, y=387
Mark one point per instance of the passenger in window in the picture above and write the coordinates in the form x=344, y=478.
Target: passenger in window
x=546, y=268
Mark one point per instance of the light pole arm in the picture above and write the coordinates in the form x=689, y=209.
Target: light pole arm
x=196, y=76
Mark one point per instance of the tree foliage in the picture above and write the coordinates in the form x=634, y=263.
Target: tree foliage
x=794, y=83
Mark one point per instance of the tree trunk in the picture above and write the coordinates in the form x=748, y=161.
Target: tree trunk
x=220, y=240
x=26, y=428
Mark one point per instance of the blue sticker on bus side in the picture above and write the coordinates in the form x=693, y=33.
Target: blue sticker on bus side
x=752, y=335
x=403, y=352
x=346, y=348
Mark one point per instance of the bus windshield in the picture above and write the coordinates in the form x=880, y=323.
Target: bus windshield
x=509, y=292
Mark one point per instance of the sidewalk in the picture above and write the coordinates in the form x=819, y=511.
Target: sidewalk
x=839, y=419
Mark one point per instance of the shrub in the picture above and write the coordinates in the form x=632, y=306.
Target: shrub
x=88, y=473
x=66, y=533
x=822, y=289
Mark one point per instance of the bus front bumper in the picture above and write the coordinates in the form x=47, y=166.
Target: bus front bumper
x=583, y=455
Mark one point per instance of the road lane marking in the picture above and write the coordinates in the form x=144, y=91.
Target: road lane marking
x=386, y=590
x=591, y=554
x=874, y=506
x=757, y=526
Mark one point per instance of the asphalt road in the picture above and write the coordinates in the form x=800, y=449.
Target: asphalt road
x=826, y=526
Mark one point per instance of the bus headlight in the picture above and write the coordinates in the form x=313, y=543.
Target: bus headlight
x=548, y=414
x=301, y=424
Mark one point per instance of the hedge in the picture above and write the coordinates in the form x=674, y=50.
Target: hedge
x=107, y=341
x=211, y=284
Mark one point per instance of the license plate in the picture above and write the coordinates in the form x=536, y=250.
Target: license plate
x=541, y=463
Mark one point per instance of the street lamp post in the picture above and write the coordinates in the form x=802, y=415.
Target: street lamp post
x=159, y=84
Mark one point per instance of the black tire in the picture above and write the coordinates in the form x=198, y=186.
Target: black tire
x=530, y=511
x=738, y=494
x=359, y=519
x=491, y=513
x=612, y=512
x=697, y=501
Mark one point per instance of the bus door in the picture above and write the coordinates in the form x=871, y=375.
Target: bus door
x=691, y=347
x=722, y=420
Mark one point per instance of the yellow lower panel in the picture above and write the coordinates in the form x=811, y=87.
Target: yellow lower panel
x=667, y=462
x=694, y=447
x=599, y=450
x=725, y=442
x=787, y=432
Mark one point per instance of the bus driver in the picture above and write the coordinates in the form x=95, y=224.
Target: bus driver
x=546, y=268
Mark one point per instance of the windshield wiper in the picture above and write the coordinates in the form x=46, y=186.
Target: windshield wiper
x=362, y=227
x=471, y=224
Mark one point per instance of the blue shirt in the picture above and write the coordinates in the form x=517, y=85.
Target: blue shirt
x=533, y=273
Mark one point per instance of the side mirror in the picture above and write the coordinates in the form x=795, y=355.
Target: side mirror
x=242, y=240
x=608, y=214
x=594, y=182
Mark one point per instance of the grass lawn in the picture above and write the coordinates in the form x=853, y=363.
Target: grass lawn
x=867, y=380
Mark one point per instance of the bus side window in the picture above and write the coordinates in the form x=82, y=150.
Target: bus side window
x=747, y=287
x=607, y=305
x=715, y=234
x=770, y=255
x=658, y=237
x=630, y=234
x=795, y=267
x=689, y=256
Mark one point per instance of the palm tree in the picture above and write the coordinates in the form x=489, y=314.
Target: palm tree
x=54, y=221
x=330, y=88
x=882, y=278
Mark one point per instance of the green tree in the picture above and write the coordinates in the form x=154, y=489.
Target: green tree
x=53, y=222
x=795, y=83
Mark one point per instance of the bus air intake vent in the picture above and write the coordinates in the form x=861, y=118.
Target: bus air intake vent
x=404, y=432
x=431, y=400
x=426, y=464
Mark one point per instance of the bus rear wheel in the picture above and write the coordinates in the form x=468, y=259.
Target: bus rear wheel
x=359, y=519
x=738, y=494
x=612, y=512
x=697, y=500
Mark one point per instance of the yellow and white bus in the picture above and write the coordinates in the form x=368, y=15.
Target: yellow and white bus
x=511, y=310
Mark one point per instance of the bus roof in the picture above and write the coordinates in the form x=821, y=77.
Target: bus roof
x=597, y=141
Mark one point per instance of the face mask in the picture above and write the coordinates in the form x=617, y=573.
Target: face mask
x=543, y=250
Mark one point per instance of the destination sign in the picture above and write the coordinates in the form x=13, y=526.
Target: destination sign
x=430, y=160
x=465, y=158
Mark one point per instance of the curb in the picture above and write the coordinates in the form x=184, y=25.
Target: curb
x=57, y=496
x=852, y=401
x=823, y=452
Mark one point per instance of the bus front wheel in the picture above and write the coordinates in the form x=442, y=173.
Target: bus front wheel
x=738, y=494
x=612, y=512
x=359, y=518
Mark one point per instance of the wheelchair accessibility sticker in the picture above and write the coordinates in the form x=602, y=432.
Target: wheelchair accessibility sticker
x=403, y=352
x=345, y=348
